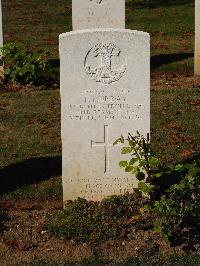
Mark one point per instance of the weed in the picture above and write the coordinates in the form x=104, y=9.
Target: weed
x=174, y=189
x=22, y=65
x=93, y=221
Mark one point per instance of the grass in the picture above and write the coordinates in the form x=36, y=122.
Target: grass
x=175, y=122
x=30, y=126
x=44, y=190
x=171, y=27
x=170, y=24
x=40, y=23
x=31, y=145
x=30, y=148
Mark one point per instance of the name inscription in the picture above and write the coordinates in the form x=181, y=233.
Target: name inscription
x=97, y=105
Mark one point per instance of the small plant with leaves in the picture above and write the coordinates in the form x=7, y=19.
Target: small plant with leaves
x=143, y=161
x=23, y=65
x=174, y=189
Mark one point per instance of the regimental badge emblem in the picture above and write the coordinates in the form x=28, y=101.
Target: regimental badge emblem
x=99, y=63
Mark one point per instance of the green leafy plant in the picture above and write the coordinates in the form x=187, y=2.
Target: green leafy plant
x=174, y=189
x=143, y=161
x=23, y=65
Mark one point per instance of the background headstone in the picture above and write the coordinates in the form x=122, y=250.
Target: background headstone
x=197, y=37
x=105, y=93
x=98, y=14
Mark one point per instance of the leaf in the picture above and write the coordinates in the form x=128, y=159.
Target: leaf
x=194, y=171
x=126, y=150
x=145, y=187
x=158, y=174
x=129, y=168
x=119, y=140
x=133, y=161
x=133, y=219
x=193, y=101
x=142, y=211
x=136, y=170
x=154, y=161
x=178, y=167
x=123, y=163
x=186, y=153
x=173, y=125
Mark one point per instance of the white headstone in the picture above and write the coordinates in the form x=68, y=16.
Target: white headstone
x=98, y=14
x=105, y=93
x=197, y=37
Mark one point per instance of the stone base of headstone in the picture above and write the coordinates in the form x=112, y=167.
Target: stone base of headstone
x=197, y=63
x=105, y=93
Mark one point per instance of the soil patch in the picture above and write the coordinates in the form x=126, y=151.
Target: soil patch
x=172, y=81
x=26, y=240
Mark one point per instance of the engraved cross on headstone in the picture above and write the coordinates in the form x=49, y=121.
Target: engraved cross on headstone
x=105, y=143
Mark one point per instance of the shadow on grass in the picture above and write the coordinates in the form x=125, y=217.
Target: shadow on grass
x=51, y=75
x=3, y=218
x=29, y=172
x=157, y=3
x=172, y=178
x=164, y=59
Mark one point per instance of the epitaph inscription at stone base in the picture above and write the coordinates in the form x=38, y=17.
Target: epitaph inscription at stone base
x=105, y=93
x=98, y=14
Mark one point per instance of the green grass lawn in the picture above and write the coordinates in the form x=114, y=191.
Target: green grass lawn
x=30, y=149
x=170, y=24
x=30, y=146
x=175, y=122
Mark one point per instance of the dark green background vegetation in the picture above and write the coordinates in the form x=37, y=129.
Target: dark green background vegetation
x=170, y=24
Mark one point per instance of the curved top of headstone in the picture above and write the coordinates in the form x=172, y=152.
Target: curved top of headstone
x=98, y=30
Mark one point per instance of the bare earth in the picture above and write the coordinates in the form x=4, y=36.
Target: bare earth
x=26, y=240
